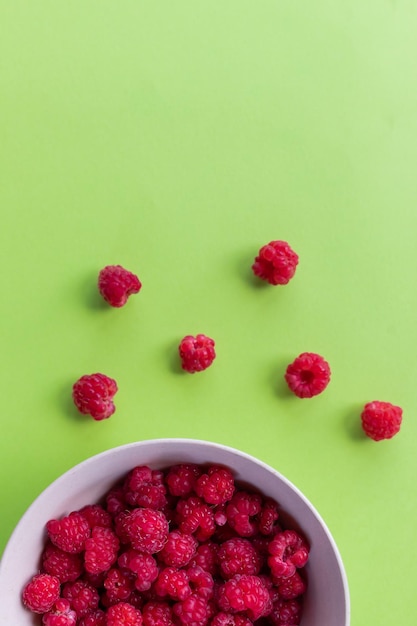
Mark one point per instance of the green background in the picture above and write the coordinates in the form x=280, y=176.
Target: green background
x=176, y=138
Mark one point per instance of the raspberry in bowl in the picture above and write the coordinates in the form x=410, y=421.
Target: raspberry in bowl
x=177, y=528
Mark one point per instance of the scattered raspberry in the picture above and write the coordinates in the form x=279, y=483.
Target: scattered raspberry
x=285, y=613
x=195, y=517
x=291, y=587
x=93, y=395
x=246, y=594
x=63, y=565
x=181, y=479
x=147, y=530
x=193, y=610
x=123, y=614
x=116, y=285
x=216, y=486
x=157, y=613
x=69, y=533
x=179, y=549
x=241, y=508
x=174, y=583
x=100, y=550
x=40, y=594
x=381, y=420
x=143, y=566
x=238, y=556
x=196, y=353
x=82, y=596
x=308, y=375
x=145, y=488
x=276, y=263
x=61, y=614
x=288, y=552
x=93, y=618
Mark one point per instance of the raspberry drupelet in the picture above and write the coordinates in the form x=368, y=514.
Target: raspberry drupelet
x=196, y=353
x=275, y=263
x=93, y=395
x=308, y=375
x=40, y=593
x=116, y=284
x=381, y=420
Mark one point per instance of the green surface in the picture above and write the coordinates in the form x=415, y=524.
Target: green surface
x=176, y=138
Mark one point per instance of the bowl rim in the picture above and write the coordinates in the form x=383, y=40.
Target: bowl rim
x=186, y=441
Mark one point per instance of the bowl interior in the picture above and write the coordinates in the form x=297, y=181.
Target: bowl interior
x=327, y=597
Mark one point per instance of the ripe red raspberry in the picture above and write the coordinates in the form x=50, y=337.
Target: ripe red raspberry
x=246, y=594
x=216, y=486
x=147, y=530
x=285, y=613
x=174, y=583
x=230, y=619
x=93, y=618
x=144, y=487
x=195, y=517
x=196, y=353
x=143, y=566
x=93, y=395
x=179, y=549
x=157, y=613
x=206, y=558
x=100, y=550
x=61, y=614
x=276, y=263
x=308, y=375
x=123, y=614
x=288, y=551
x=40, y=593
x=291, y=587
x=181, y=479
x=242, y=507
x=118, y=584
x=69, y=533
x=115, y=501
x=268, y=517
x=96, y=515
x=238, y=556
x=193, y=610
x=116, y=285
x=381, y=420
x=82, y=596
x=63, y=565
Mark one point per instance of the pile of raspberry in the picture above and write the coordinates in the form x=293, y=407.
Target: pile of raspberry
x=184, y=546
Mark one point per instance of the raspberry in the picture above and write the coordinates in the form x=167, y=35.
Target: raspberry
x=69, y=533
x=41, y=592
x=143, y=566
x=181, y=479
x=123, y=614
x=308, y=375
x=100, y=550
x=96, y=515
x=144, y=487
x=194, y=610
x=93, y=395
x=157, y=613
x=82, y=596
x=216, y=486
x=201, y=582
x=290, y=588
x=268, y=517
x=381, y=420
x=174, y=583
x=196, y=353
x=229, y=619
x=245, y=594
x=195, y=517
x=242, y=507
x=206, y=558
x=238, y=556
x=285, y=613
x=65, y=566
x=118, y=585
x=93, y=618
x=116, y=284
x=276, y=263
x=61, y=614
x=179, y=549
x=288, y=552
x=147, y=530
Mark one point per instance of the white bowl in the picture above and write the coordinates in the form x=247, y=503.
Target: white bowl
x=327, y=598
